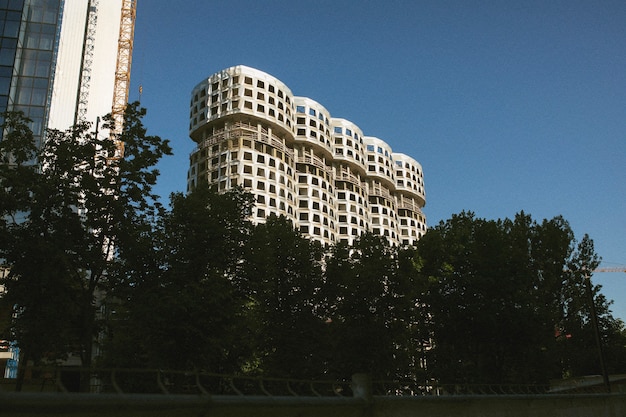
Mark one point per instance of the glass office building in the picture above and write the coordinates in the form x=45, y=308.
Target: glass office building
x=51, y=53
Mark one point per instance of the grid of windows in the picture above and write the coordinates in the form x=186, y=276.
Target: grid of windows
x=321, y=172
x=27, y=49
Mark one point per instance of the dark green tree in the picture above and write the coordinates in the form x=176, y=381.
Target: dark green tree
x=283, y=273
x=369, y=310
x=68, y=210
x=507, y=299
x=187, y=309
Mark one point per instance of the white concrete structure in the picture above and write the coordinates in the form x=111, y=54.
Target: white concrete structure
x=94, y=54
x=321, y=172
x=59, y=59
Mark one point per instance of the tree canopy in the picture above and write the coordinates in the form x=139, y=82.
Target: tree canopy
x=67, y=208
x=507, y=300
x=92, y=254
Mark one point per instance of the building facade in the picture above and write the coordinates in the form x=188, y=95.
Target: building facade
x=321, y=172
x=58, y=59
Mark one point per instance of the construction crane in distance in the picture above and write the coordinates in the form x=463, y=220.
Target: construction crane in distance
x=613, y=269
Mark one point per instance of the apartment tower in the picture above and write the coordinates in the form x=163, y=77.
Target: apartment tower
x=322, y=172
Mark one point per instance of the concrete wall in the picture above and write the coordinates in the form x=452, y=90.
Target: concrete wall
x=86, y=405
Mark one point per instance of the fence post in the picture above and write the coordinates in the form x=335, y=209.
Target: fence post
x=362, y=386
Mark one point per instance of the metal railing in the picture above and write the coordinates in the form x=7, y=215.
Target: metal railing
x=162, y=382
x=153, y=381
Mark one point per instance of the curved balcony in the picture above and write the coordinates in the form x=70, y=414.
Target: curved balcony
x=314, y=160
x=349, y=177
x=409, y=205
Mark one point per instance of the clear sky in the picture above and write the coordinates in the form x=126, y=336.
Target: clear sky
x=507, y=105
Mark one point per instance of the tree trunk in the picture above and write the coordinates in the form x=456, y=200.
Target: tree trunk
x=22, y=364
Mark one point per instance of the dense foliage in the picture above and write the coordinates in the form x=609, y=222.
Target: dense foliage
x=197, y=286
x=508, y=301
x=67, y=210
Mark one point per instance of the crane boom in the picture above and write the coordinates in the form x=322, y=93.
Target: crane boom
x=616, y=269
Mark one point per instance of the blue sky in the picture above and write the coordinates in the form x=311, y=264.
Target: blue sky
x=507, y=105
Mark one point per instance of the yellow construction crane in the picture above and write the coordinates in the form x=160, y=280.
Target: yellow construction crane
x=122, y=69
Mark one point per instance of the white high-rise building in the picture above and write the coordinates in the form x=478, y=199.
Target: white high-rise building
x=65, y=61
x=321, y=172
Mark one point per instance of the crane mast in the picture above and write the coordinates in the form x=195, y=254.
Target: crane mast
x=122, y=69
x=87, y=62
